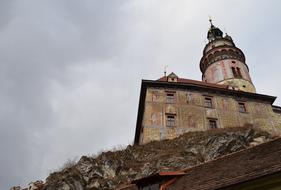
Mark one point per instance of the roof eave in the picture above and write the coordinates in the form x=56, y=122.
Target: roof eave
x=267, y=98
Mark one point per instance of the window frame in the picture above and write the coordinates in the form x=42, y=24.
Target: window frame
x=170, y=120
x=212, y=121
x=208, y=102
x=243, y=106
x=170, y=97
x=239, y=74
x=233, y=69
x=236, y=71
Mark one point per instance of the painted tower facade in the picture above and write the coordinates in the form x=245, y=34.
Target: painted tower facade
x=224, y=63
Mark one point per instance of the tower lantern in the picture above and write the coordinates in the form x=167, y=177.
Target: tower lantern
x=224, y=63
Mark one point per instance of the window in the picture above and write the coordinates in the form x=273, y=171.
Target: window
x=170, y=98
x=212, y=124
x=239, y=72
x=171, y=120
x=208, y=102
x=236, y=72
x=242, y=107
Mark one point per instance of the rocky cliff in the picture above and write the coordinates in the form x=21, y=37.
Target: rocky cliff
x=111, y=169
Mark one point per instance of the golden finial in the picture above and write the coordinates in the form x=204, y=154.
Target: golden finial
x=210, y=19
x=165, y=70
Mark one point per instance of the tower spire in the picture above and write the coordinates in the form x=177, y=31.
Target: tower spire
x=165, y=70
x=214, y=32
x=211, y=20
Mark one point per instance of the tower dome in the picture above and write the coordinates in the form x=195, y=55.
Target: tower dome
x=223, y=63
x=214, y=33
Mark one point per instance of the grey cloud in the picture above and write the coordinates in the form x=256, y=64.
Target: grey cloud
x=70, y=71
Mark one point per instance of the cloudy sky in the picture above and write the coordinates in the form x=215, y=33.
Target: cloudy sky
x=70, y=71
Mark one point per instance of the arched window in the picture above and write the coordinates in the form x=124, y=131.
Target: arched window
x=216, y=52
x=239, y=72
x=236, y=72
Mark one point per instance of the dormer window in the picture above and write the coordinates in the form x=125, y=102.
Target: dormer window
x=172, y=77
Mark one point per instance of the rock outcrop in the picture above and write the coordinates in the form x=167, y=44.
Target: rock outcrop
x=111, y=169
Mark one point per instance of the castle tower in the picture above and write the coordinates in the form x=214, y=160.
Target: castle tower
x=171, y=105
x=224, y=63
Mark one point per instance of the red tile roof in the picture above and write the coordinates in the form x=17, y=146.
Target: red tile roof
x=189, y=81
x=232, y=169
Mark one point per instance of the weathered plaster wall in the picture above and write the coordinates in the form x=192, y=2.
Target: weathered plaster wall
x=276, y=121
x=241, y=84
x=220, y=72
x=224, y=67
x=192, y=115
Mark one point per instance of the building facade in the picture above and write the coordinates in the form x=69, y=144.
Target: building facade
x=226, y=97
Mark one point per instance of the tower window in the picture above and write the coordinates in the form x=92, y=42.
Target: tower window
x=208, y=102
x=242, y=107
x=239, y=72
x=236, y=72
x=170, y=98
x=212, y=124
x=170, y=120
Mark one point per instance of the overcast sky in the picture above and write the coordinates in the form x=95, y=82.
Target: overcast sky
x=70, y=71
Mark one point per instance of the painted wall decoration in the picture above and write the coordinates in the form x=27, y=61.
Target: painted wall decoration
x=156, y=119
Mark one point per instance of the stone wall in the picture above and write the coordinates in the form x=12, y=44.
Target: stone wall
x=191, y=114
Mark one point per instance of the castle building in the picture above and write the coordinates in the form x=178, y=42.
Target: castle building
x=226, y=97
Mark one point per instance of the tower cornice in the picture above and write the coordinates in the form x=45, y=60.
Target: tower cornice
x=212, y=42
x=221, y=53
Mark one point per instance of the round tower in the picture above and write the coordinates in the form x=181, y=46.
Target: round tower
x=224, y=63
